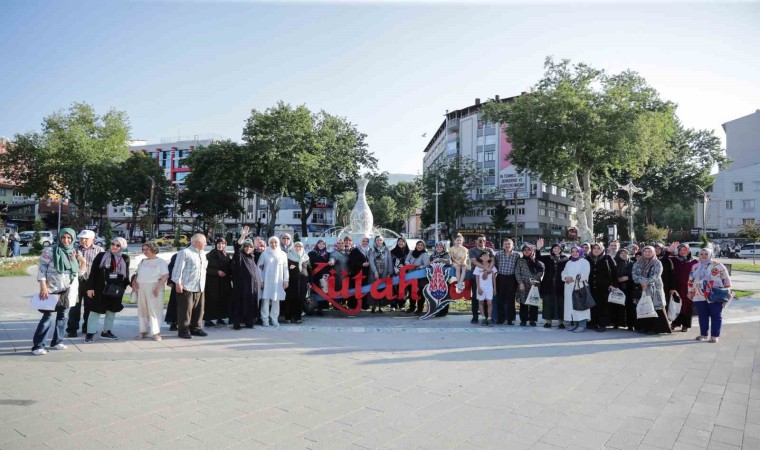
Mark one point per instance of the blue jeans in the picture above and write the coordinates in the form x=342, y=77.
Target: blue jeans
x=16, y=246
x=43, y=328
x=710, y=318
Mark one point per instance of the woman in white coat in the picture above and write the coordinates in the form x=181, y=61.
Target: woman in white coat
x=576, y=265
x=274, y=271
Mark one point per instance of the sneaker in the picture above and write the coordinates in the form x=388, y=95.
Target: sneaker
x=601, y=329
x=89, y=338
x=490, y=322
x=198, y=332
x=157, y=337
x=484, y=322
x=208, y=324
x=522, y=324
x=701, y=338
x=39, y=351
x=60, y=346
x=474, y=321
x=714, y=340
x=510, y=322
x=184, y=335
x=533, y=324
x=108, y=335
x=547, y=325
x=561, y=326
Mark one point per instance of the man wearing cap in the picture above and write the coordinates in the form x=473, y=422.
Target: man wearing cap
x=88, y=250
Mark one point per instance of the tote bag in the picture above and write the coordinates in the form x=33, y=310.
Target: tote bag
x=582, y=299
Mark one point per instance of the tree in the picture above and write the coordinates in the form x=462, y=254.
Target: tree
x=377, y=185
x=408, y=196
x=107, y=231
x=384, y=211
x=139, y=180
x=457, y=178
x=604, y=218
x=751, y=231
x=37, y=247
x=277, y=144
x=68, y=156
x=500, y=217
x=211, y=188
x=652, y=233
x=346, y=203
x=578, y=123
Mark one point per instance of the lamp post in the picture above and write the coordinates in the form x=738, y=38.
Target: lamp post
x=631, y=189
x=705, y=199
x=151, y=202
x=437, y=194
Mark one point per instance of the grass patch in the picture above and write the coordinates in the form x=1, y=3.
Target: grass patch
x=15, y=267
x=738, y=293
x=744, y=267
x=128, y=298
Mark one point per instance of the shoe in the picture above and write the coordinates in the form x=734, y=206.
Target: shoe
x=249, y=325
x=39, y=351
x=184, y=335
x=701, y=338
x=380, y=310
x=299, y=321
x=684, y=329
x=157, y=337
x=533, y=324
x=484, y=322
x=714, y=340
x=418, y=313
x=573, y=327
x=522, y=324
x=600, y=329
x=59, y=346
x=500, y=322
x=108, y=335
x=474, y=321
x=373, y=310
x=615, y=327
x=579, y=330
x=71, y=334
x=208, y=324
x=173, y=327
x=561, y=326
x=221, y=323
x=89, y=338
x=547, y=325
x=141, y=336
x=490, y=322
x=236, y=326
x=630, y=328
x=510, y=322
x=673, y=327
x=198, y=332
x=410, y=311
x=286, y=321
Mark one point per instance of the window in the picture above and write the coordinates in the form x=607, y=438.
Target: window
x=544, y=187
x=490, y=139
x=729, y=204
x=180, y=176
x=738, y=187
x=541, y=211
x=296, y=214
x=533, y=187
x=729, y=222
x=554, y=190
x=510, y=211
x=748, y=221
x=318, y=217
x=542, y=203
x=520, y=211
x=490, y=156
x=748, y=205
x=552, y=213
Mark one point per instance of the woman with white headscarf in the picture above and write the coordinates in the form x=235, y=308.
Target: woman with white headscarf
x=706, y=276
x=647, y=272
x=274, y=268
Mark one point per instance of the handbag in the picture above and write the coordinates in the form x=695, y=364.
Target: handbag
x=533, y=298
x=674, y=307
x=645, y=308
x=719, y=295
x=114, y=286
x=617, y=297
x=582, y=299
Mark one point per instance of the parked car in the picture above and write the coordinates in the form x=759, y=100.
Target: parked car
x=47, y=238
x=695, y=247
x=750, y=250
x=100, y=241
x=168, y=239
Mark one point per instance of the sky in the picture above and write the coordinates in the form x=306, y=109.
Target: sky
x=392, y=68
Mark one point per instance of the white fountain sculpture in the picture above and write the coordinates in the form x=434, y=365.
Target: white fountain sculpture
x=361, y=220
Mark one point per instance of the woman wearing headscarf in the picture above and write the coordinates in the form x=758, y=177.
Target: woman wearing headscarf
x=647, y=272
x=683, y=262
x=624, y=282
x=381, y=266
x=286, y=243
x=358, y=263
x=246, y=284
x=275, y=276
x=59, y=267
x=339, y=263
x=420, y=259
x=576, y=270
x=171, y=307
x=528, y=271
x=552, y=286
x=218, y=284
x=398, y=254
x=298, y=285
x=105, y=288
x=706, y=275
x=601, y=280
x=319, y=257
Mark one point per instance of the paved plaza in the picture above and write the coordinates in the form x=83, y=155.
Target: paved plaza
x=373, y=381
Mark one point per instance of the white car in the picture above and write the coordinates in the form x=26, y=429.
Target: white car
x=750, y=250
x=695, y=247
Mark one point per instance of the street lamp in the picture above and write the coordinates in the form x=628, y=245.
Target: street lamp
x=631, y=189
x=705, y=199
x=437, y=194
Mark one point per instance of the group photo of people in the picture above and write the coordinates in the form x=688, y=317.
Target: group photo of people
x=651, y=289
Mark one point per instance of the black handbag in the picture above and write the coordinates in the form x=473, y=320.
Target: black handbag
x=114, y=287
x=582, y=299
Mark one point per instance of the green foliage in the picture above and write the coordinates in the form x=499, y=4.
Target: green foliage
x=296, y=237
x=456, y=177
x=37, y=227
x=604, y=218
x=377, y=185
x=346, y=203
x=704, y=242
x=106, y=230
x=385, y=211
x=500, y=217
x=136, y=178
x=69, y=157
x=652, y=233
x=578, y=123
x=228, y=237
x=408, y=197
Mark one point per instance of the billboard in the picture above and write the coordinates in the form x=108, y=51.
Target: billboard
x=510, y=181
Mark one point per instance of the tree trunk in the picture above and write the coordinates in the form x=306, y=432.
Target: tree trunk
x=581, y=205
x=273, y=204
x=134, y=221
x=305, y=214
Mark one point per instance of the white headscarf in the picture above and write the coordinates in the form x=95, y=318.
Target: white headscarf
x=277, y=251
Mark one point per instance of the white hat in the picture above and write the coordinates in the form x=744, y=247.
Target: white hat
x=87, y=234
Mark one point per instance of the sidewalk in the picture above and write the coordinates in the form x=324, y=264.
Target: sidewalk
x=387, y=381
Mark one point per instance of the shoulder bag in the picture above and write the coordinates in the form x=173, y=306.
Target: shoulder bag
x=582, y=299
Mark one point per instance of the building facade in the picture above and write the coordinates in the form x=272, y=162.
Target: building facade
x=538, y=209
x=734, y=198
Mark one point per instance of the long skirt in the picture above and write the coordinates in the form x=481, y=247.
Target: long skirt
x=171, y=308
x=654, y=325
x=149, y=308
x=553, y=307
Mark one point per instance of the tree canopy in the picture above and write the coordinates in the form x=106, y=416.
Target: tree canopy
x=456, y=177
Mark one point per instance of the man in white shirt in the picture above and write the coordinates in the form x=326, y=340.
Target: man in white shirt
x=189, y=277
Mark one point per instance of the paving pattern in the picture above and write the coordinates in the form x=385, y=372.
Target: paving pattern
x=370, y=382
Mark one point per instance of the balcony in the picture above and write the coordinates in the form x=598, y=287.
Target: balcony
x=453, y=124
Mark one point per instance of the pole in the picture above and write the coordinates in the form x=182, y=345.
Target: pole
x=705, y=199
x=436, y=209
x=60, y=201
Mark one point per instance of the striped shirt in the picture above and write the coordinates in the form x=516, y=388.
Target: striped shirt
x=89, y=255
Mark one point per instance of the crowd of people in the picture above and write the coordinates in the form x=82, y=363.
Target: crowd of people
x=214, y=289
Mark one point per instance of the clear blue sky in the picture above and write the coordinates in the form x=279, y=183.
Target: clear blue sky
x=391, y=68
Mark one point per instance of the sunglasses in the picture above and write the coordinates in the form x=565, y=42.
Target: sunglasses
x=115, y=244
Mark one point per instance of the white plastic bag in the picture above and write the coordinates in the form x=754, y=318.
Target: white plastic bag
x=645, y=308
x=73, y=292
x=533, y=298
x=674, y=307
x=617, y=297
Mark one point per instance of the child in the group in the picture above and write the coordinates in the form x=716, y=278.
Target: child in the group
x=460, y=261
x=485, y=288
